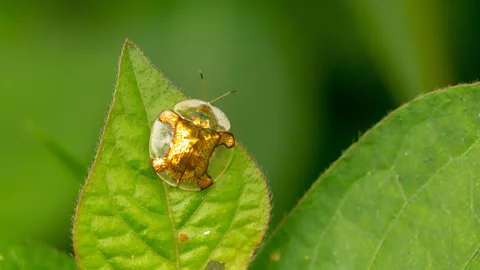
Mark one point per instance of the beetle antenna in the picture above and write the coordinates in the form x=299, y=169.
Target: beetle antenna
x=203, y=86
x=222, y=96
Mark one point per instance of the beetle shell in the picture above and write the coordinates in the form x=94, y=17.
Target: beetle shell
x=191, y=147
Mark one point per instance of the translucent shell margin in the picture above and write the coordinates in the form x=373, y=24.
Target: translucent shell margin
x=162, y=135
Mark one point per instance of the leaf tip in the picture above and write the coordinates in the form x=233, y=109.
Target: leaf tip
x=128, y=41
x=129, y=45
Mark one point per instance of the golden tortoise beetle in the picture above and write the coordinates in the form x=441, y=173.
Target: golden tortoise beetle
x=190, y=147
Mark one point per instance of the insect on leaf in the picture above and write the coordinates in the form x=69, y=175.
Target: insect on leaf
x=127, y=218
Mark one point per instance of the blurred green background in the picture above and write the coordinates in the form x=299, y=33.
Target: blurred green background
x=311, y=77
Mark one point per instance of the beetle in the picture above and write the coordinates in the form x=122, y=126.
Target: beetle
x=190, y=147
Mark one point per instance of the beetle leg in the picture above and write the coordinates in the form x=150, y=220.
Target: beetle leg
x=205, y=181
x=159, y=164
x=169, y=117
x=227, y=139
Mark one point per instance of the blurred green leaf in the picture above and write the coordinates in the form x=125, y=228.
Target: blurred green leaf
x=406, y=196
x=15, y=254
x=76, y=167
x=127, y=218
x=411, y=55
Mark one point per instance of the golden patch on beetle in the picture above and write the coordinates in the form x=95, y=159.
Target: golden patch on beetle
x=191, y=149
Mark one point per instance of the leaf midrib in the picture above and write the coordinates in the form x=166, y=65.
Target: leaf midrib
x=172, y=223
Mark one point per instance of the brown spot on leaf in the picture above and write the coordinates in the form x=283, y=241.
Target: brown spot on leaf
x=275, y=256
x=183, y=238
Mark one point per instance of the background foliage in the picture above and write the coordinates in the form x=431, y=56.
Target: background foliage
x=310, y=77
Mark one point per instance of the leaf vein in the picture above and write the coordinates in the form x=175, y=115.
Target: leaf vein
x=474, y=255
x=174, y=230
x=144, y=241
x=229, y=227
x=472, y=197
x=430, y=258
x=330, y=223
x=101, y=253
x=195, y=212
x=175, y=243
x=402, y=209
x=355, y=225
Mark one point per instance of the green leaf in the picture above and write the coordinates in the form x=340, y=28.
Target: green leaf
x=15, y=254
x=422, y=64
x=69, y=160
x=127, y=218
x=406, y=196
